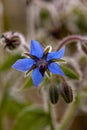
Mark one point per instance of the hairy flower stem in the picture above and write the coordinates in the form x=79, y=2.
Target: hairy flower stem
x=1, y=122
x=70, y=39
x=26, y=48
x=2, y=105
x=45, y=99
x=1, y=17
x=30, y=19
x=48, y=108
x=51, y=117
x=69, y=114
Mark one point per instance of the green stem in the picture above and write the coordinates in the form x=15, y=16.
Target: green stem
x=48, y=108
x=2, y=105
x=1, y=123
x=51, y=116
x=70, y=39
x=69, y=114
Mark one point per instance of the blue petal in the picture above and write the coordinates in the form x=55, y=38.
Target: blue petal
x=23, y=64
x=36, y=77
x=55, y=55
x=36, y=49
x=55, y=69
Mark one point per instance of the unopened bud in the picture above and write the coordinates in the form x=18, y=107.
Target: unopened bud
x=13, y=41
x=66, y=92
x=84, y=47
x=53, y=94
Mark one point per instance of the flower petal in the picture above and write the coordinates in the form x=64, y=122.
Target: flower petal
x=23, y=64
x=55, y=55
x=36, y=49
x=36, y=77
x=55, y=69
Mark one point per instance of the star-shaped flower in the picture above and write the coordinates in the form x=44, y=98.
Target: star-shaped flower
x=40, y=61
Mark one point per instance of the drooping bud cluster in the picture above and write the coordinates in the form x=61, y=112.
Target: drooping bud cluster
x=12, y=41
x=84, y=47
x=64, y=90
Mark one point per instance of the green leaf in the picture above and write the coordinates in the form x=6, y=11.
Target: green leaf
x=70, y=73
x=8, y=62
x=13, y=107
x=31, y=118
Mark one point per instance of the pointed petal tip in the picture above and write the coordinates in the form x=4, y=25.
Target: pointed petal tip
x=23, y=64
x=56, y=55
x=36, y=80
x=55, y=69
x=32, y=40
x=61, y=52
x=36, y=49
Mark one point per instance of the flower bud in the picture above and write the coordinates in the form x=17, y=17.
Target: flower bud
x=53, y=94
x=13, y=41
x=66, y=92
x=84, y=47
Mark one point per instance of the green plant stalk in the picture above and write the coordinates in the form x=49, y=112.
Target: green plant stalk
x=48, y=108
x=1, y=17
x=51, y=117
x=70, y=39
x=68, y=115
x=2, y=105
x=1, y=123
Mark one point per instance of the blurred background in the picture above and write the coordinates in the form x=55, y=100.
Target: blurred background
x=47, y=21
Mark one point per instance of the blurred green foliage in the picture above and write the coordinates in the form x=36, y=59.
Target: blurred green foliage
x=8, y=62
x=80, y=20
x=32, y=118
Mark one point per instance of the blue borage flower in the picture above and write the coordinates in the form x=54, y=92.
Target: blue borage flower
x=40, y=61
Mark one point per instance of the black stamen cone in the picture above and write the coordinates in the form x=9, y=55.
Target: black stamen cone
x=42, y=69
